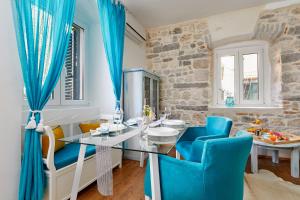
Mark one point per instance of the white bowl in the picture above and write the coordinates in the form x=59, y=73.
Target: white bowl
x=162, y=132
x=173, y=122
x=106, y=127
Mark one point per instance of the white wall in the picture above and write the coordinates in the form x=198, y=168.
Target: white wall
x=99, y=86
x=100, y=89
x=134, y=54
x=10, y=106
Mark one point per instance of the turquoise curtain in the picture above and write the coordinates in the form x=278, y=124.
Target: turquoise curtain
x=112, y=21
x=42, y=31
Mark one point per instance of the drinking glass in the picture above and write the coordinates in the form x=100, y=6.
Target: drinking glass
x=167, y=112
x=154, y=113
x=118, y=117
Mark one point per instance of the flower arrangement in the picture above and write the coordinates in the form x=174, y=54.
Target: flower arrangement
x=148, y=113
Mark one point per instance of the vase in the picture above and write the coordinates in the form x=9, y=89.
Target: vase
x=229, y=102
x=118, y=116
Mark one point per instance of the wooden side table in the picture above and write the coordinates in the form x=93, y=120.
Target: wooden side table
x=293, y=147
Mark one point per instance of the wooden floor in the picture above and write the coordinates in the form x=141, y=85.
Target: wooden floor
x=128, y=184
x=129, y=181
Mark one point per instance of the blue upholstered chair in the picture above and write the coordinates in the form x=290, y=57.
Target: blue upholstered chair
x=219, y=175
x=216, y=127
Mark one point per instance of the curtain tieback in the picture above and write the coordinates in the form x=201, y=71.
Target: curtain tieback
x=32, y=123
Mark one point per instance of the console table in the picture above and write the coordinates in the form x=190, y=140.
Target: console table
x=293, y=147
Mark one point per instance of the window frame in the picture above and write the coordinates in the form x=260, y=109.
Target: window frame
x=56, y=100
x=82, y=63
x=260, y=65
x=264, y=73
x=59, y=95
x=220, y=54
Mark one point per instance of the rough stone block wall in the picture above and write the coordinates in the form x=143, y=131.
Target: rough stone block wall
x=288, y=43
x=179, y=54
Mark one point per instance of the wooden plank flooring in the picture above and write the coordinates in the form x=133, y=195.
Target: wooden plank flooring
x=128, y=184
x=129, y=181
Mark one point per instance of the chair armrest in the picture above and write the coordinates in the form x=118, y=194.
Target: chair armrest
x=193, y=132
x=209, y=137
x=197, y=151
x=179, y=179
x=49, y=160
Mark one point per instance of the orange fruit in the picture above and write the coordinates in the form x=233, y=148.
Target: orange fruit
x=257, y=121
x=273, y=138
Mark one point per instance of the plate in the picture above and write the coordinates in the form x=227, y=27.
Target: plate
x=106, y=127
x=173, y=122
x=116, y=127
x=162, y=132
x=161, y=140
x=133, y=121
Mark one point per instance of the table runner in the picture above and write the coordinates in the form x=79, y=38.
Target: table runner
x=104, y=170
x=104, y=160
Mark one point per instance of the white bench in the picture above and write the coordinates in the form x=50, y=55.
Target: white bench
x=59, y=181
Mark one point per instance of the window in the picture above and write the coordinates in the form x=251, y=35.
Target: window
x=242, y=71
x=73, y=79
x=70, y=88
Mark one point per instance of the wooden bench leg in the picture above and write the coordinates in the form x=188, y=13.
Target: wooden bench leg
x=51, y=186
x=121, y=163
x=142, y=158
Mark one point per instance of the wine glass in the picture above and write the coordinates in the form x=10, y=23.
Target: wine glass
x=167, y=112
x=154, y=117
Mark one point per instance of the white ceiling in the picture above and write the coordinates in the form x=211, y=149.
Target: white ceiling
x=151, y=13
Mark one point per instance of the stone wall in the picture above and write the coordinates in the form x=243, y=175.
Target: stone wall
x=179, y=54
x=285, y=67
x=279, y=28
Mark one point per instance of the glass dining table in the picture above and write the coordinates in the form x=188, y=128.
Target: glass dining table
x=117, y=140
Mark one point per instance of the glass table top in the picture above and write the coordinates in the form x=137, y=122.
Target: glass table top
x=131, y=139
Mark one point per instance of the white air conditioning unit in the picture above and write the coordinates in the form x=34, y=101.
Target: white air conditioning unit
x=132, y=34
x=134, y=30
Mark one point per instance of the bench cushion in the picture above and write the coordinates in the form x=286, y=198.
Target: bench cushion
x=58, y=134
x=69, y=155
x=86, y=127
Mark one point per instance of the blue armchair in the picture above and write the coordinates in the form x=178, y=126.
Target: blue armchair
x=216, y=127
x=219, y=175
